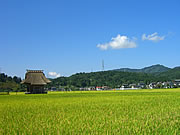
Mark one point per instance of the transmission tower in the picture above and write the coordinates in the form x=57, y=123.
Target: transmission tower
x=102, y=65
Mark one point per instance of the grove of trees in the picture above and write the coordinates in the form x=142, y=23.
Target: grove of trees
x=8, y=83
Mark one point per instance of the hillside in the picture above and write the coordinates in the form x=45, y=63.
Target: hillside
x=151, y=69
x=171, y=74
x=106, y=78
x=114, y=78
x=9, y=83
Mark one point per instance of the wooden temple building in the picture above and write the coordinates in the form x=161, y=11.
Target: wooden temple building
x=35, y=81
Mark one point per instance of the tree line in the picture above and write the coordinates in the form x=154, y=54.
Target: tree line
x=8, y=83
x=106, y=78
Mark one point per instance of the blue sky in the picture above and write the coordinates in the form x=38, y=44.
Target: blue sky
x=67, y=36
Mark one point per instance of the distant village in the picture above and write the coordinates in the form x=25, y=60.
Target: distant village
x=153, y=85
x=35, y=82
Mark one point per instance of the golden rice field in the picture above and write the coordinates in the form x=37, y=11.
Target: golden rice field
x=95, y=112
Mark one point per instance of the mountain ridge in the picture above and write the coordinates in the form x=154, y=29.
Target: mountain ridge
x=111, y=78
x=151, y=69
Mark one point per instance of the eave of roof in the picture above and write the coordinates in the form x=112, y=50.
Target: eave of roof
x=35, y=78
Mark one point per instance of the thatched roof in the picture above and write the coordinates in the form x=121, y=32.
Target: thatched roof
x=35, y=77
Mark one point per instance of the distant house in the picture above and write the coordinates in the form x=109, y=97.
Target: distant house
x=102, y=88
x=91, y=88
x=133, y=85
x=152, y=85
x=35, y=81
x=99, y=88
x=105, y=88
x=125, y=86
x=168, y=85
x=177, y=82
x=141, y=85
x=87, y=88
x=53, y=89
x=171, y=85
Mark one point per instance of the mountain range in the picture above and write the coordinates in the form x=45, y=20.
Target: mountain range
x=151, y=69
x=113, y=78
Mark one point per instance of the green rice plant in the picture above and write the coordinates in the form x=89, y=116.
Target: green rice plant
x=92, y=112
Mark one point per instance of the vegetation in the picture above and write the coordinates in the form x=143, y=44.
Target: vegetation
x=115, y=78
x=171, y=74
x=8, y=83
x=106, y=78
x=105, y=112
x=154, y=69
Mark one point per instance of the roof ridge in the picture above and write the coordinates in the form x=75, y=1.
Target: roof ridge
x=34, y=71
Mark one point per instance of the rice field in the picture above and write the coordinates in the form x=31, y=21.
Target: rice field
x=94, y=112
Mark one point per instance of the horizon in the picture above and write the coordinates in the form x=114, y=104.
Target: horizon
x=52, y=77
x=67, y=37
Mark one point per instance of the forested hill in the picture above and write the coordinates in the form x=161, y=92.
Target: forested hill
x=151, y=69
x=9, y=83
x=171, y=74
x=114, y=78
x=106, y=78
x=111, y=78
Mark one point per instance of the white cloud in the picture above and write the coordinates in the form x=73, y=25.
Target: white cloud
x=54, y=74
x=118, y=42
x=153, y=37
